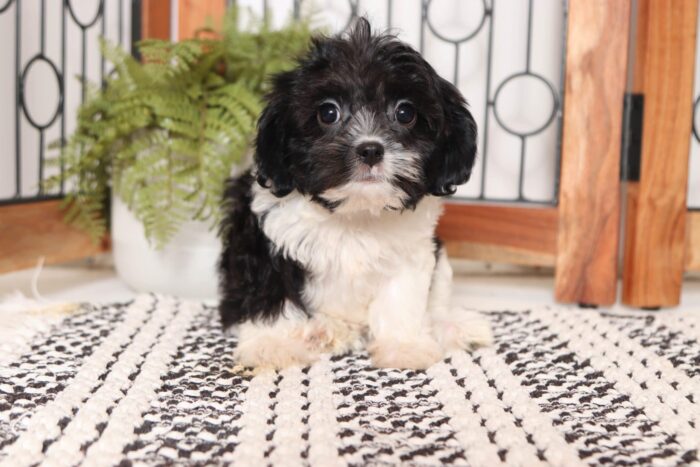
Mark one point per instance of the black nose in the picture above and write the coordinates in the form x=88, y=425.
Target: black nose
x=371, y=153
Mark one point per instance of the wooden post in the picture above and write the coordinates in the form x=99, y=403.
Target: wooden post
x=192, y=15
x=155, y=19
x=589, y=206
x=655, y=237
x=197, y=14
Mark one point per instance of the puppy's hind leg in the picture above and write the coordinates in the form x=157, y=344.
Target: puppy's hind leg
x=292, y=339
x=454, y=329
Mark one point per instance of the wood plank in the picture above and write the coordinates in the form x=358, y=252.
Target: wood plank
x=31, y=230
x=491, y=253
x=155, y=19
x=501, y=234
x=639, y=44
x=196, y=14
x=655, y=237
x=589, y=206
x=631, y=188
x=692, y=262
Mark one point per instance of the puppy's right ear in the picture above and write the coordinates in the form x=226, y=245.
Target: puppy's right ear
x=272, y=154
x=451, y=163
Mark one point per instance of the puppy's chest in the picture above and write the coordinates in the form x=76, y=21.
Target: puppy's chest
x=349, y=259
x=353, y=272
x=326, y=244
x=346, y=250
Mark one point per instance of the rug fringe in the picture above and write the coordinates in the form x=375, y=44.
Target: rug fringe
x=22, y=318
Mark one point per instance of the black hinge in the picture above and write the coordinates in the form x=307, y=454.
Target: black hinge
x=633, y=119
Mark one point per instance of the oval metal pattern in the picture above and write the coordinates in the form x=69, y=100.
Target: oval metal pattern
x=536, y=130
x=484, y=13
x=23, y=100
x=82, y=25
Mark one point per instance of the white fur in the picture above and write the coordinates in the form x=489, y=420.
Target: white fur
x=372, y=275
x=364, y=124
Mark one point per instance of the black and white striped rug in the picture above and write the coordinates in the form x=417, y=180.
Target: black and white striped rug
x=153, y=382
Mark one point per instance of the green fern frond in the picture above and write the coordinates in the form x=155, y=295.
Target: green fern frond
x=165, y=133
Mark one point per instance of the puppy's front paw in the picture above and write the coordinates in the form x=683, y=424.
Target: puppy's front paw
x=414, y=355
x=274, y=352
x=462, y=330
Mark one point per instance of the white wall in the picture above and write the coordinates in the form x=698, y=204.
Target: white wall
x=41, y=89
x=523, y=104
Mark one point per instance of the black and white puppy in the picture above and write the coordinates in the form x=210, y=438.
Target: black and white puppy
x=329, y=240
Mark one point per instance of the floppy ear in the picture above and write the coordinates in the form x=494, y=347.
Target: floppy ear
x=272, y=156
x=451, y=163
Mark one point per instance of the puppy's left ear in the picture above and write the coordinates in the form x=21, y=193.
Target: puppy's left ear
x=272, y=152
x=451, y=163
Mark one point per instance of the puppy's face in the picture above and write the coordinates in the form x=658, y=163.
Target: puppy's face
x=364, y=123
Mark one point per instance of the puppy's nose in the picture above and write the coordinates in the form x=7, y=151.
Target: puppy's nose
x=371, y=153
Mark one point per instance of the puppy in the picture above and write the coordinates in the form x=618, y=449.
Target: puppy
x=329, y=240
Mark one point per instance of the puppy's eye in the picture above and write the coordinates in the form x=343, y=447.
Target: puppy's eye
x=328, y=113
x=405, y=113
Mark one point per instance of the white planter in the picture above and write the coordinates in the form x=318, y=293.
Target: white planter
x=185, y=267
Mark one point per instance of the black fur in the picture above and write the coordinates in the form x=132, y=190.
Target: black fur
x=254, y=280
x=451, y=163
x=437, y=247
x=294, y=151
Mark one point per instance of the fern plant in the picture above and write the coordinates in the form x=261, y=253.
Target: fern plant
x=165, y=133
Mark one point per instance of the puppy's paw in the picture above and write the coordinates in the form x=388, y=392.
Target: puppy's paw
x=330, y=335
x=274, y=352
x=462, y=330
x=414, y=355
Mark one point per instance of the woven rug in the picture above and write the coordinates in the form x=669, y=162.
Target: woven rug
x=153, y=382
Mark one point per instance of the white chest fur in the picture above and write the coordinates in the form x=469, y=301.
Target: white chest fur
x=350, y=257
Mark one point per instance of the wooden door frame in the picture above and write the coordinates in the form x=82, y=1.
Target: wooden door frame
x=580, y=235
